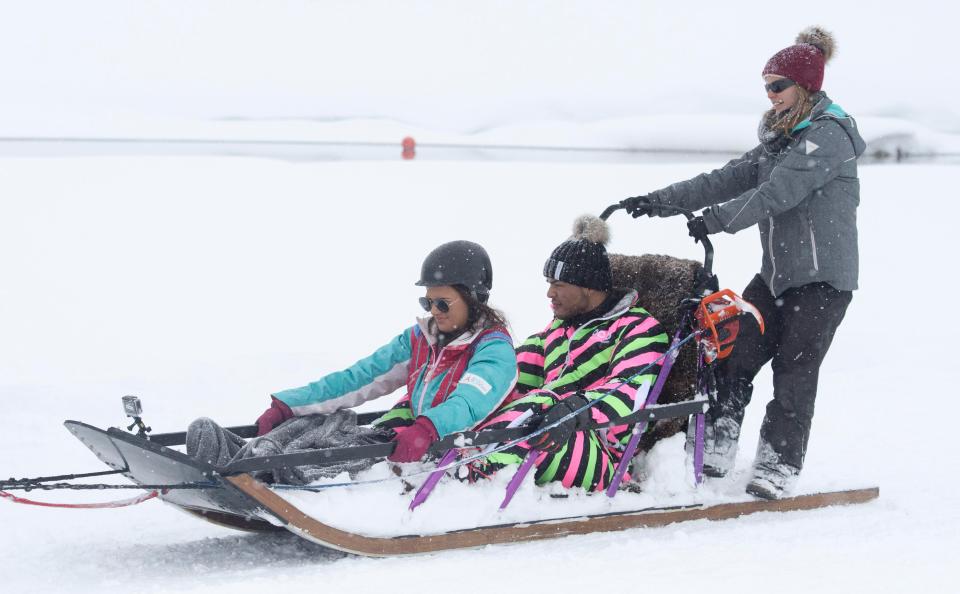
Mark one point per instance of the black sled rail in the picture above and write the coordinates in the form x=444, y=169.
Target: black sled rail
x=151, y=461
x=459, y=440
x=245, y=431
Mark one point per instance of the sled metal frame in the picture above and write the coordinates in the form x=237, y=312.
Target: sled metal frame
x=244, y=503
x=146, y=462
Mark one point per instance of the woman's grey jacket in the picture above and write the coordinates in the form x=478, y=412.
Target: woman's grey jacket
x=801, y=190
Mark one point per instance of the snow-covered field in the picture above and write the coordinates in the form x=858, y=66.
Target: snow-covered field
x=202, y=284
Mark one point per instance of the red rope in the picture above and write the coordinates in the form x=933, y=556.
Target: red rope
x=105, y=505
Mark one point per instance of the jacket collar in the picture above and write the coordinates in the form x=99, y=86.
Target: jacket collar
x=617, y=310
x=428, y=326
x=621, y=306
x=823, y=106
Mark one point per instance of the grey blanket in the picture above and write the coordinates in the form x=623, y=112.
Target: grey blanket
x=208, y=441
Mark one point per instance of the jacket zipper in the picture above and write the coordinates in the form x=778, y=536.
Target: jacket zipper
x=426, y=381
x=773, y=261
x=813, y=246
x=567, y=358
x=428, y=373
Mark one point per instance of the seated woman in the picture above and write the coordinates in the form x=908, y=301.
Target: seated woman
x=458, y=366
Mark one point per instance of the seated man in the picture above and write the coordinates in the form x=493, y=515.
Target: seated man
x=598, y=346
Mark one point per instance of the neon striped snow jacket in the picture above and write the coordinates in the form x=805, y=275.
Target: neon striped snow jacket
x=456, y=387
x=602, y=358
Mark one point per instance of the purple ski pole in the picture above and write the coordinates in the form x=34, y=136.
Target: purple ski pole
x=427, y=487
x=518, y=476
x=698, y=449
x=640, y=427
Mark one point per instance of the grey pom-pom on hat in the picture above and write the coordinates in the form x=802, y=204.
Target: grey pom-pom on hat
x=582, y=259
x=819, y=38
x=591, y=228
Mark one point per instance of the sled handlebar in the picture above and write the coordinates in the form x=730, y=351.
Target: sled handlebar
x=707, y=245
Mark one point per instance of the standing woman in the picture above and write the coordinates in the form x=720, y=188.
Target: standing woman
x=800, y=188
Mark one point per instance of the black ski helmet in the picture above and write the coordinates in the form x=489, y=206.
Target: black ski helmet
x=459, y=263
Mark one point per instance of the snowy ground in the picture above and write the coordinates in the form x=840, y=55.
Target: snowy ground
x=203, y=284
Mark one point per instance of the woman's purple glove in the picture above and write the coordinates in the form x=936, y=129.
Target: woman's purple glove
x=414, y=441
x=273, y=416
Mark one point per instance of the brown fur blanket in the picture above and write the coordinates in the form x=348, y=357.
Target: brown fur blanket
x=662, y=282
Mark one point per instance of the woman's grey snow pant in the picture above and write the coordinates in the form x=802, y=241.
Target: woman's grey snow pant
x=800, y=325
x=208, y=441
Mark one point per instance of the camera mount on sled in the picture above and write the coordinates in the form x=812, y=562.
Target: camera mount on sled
x=134, y=409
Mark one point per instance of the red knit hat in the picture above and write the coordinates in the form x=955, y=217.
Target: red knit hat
x=803, y=63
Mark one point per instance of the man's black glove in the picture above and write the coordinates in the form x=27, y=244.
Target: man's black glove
x=555, y=438
x=638, y=206
x=697, y=228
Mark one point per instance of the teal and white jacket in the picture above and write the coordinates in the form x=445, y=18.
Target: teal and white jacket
x=456, y=386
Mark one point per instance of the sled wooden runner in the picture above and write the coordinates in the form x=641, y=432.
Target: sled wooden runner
x=309, y=528
x=231, y=520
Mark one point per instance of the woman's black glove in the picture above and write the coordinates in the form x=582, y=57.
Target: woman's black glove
x=638, y=206
x=555, y=438
x=698, y=228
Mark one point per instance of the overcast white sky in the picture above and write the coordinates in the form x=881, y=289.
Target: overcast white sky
x=456, y=65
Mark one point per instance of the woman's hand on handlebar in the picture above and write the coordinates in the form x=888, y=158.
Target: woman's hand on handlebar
x=638, y=206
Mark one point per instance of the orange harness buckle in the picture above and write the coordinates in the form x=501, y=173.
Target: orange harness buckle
x=718, y=323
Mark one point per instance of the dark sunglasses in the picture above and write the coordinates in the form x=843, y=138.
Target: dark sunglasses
x=780, y=85
x=443, y=305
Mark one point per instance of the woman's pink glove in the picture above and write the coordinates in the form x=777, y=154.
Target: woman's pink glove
x=414, y=441
x=273, y=416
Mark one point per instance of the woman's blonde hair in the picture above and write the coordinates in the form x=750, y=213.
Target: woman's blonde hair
x=785, y=122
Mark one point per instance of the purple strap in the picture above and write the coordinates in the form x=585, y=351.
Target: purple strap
x=518, y=476
x=700, y=423
x=640, y=427
x=427, y=487
x=698, y=449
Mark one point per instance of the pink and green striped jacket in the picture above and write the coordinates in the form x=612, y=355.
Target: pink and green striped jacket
x=596, y=358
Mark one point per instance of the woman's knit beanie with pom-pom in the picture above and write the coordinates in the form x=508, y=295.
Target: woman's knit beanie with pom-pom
x=803, y=63
x=582, y=259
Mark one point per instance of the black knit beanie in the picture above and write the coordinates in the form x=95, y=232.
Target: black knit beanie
x=582, y=259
